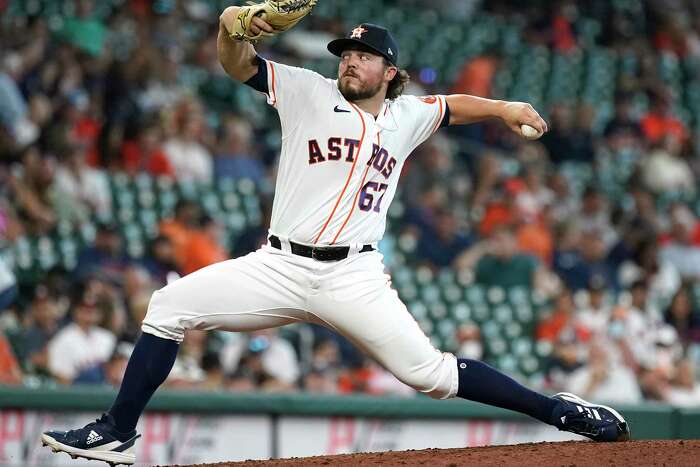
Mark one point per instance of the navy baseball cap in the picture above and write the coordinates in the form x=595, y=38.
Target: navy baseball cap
x=375, y=37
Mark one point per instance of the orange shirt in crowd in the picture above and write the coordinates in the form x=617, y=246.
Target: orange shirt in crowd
x=134, y=160
x=200, y=251
x=9, y=368
x=656, y=126
x=551, y=328
x=179, y=235
x=496, y=215
x=476, y=77
x=536, y=239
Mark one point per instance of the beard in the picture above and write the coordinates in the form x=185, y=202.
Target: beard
x=360, y=92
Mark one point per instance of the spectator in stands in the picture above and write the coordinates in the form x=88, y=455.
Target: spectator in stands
x=631, y=334
x=532, y=216
x=568, y=355
x=443, y=242
x=324, y=369
x=680, y=251
x=576, y=268
x=40, y=327
x=566, y=205
x=8, y=282
x=469, y=344
x=596, y=315
x=277, y=366
x=10, y=370
x=106, y=258
x=187, y=372
x=160, y=260
x=83, y=185
x=502, y=265
x=265, y=362
x=560, y=324
x=595, y=217
x=78, y=351
x=145, y=153
x=603, y=379
x=235, y=157
x=179, y=228
x=32, y=192
x=14, y=116
x=659, y=367
x=660, y=122
x=569, y=138
x=214, y=376
x=476, y=76
x=623, y=131
x=665, y=171
x=163, y=89
x=115, y=368
x=683, y=316
x=187, y=155
x=633, y=235
x=662, y=277
x=683, y=390
x=204, y=246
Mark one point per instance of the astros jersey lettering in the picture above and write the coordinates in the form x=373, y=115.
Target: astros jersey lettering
x=339, y=166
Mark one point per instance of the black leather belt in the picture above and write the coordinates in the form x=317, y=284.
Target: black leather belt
x=319, y=253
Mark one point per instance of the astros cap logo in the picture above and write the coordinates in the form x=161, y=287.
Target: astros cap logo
x=358, y=32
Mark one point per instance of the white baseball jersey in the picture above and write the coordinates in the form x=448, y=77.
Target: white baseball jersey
x=339, y=166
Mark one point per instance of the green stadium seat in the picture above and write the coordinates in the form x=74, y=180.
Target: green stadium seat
x=438, y=312
x=452, y=293
x=418, y=310
x=503, y=313
x=424, y=275
x=460, y=312
x=496, y=295
x=429, y=293
x=474, y=294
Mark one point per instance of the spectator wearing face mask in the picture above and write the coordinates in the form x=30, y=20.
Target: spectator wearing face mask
x=603, y=379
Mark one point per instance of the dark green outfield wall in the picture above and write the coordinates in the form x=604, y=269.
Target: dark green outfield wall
x=648, y=421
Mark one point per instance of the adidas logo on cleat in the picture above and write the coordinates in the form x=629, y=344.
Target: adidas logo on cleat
x=93, y=437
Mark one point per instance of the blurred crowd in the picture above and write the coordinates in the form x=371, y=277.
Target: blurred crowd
x=618, y=258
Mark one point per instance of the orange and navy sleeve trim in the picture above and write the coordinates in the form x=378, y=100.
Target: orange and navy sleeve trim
x=259, y=80
x=441, y=114
x=446, y=119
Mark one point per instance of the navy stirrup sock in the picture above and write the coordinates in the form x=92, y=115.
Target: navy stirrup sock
x=480, y=383
x=149, y=365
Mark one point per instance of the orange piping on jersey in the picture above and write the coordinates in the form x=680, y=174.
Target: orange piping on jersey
x=274, y=94
x=354, y=200
x=352, y=170
x=437, y=125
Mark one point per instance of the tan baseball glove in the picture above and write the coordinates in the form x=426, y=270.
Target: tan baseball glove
x=280, y=14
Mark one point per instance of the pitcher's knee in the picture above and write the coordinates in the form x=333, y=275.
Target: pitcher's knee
x=163, y=318
x=438, y=379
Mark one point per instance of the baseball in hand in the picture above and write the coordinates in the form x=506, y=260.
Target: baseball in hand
x=529, y=132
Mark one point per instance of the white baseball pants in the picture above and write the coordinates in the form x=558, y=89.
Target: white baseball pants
x=271, y=287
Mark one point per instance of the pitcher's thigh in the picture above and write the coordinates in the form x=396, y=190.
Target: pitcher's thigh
x=242, y=294
x=381, y=326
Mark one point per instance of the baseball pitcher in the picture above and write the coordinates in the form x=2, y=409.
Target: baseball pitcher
x=344, y=143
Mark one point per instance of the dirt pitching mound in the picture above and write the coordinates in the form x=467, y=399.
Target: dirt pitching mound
x=567, y=454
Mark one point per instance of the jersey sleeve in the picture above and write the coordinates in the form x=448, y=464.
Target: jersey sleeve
x=427, y=114
x=288, y=89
